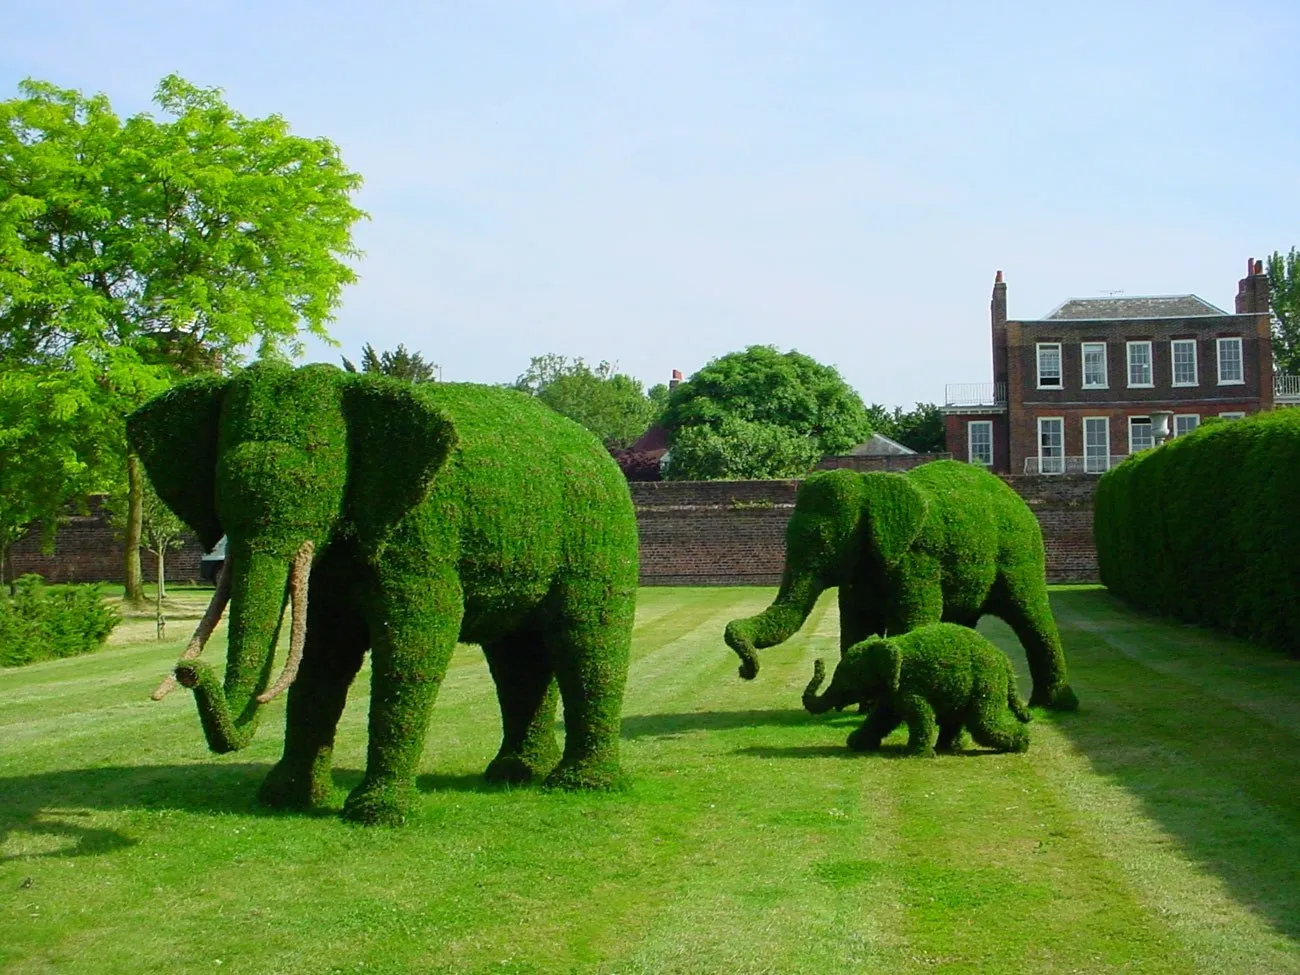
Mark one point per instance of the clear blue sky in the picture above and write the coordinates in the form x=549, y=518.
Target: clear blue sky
x=658, y=183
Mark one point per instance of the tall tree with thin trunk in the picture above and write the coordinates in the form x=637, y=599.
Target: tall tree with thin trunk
x=135, y=252
x=1284, y=296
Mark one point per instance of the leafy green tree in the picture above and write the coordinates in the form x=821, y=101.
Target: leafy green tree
x=921, y=428
x=610, y=404
x=765, y=387
x=1284, y=296
x=739, y=450
x=399, y=363
x=134, y=252
x=50, y=453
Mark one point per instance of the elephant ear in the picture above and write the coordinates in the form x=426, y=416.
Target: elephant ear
x=886, y=663
x=398, y=440
x=175, y=436
x=895, y=511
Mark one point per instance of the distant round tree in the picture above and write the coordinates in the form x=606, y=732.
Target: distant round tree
x=807, y=408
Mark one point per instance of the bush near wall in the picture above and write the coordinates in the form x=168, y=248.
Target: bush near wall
x=1207, y=528
x=41, y=622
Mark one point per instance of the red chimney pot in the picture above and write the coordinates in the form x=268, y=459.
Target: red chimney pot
x=998, y=279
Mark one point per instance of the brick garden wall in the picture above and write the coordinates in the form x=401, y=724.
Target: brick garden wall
x=692, y=533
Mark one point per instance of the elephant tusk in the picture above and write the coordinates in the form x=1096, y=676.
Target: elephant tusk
x=298, y=576
x=211, y=617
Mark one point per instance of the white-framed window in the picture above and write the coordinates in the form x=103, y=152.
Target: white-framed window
x=1094, y=365
x=1139, y=363
x=1051, y=445
x=1096, y=444
x=1183, y=354
x=1232, y=415
x=1139, y=434
x=1186, y=423
x=979, y=442
x=1230, y=366
x=1049, y=365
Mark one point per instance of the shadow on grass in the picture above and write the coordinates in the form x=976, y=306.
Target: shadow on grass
x=1184, y=727
x=674, y=725
x=56, y=804
x=889, y=750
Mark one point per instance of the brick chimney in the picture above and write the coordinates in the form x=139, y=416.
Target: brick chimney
x=1252, y=290
x=998, y=312
x=676, y=380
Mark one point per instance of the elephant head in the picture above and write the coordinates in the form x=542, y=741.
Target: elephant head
x=840, y=517
x=869, y=672
x=282, y=461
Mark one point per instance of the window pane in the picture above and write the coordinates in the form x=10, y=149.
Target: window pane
x=1184, y=351
x=1139, y=434
x=1186, y=424
x=1230, y=360
x=1049, y=365
x=981, y=442
x=1051, y=446
x=1094, y=364
x=1139, y=364
x=1096, y=444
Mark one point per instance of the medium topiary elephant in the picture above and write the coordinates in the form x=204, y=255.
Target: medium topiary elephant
x=418, y=516
x=938, y=678
x=944, y=542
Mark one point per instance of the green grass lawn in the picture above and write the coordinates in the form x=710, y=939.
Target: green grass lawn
x=1157, y=830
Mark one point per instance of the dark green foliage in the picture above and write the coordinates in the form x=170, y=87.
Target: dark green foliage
x=762, y=386
x=609, y=403
x=1284, y=299
x=920, y=428
x=400, y=364
x=939, y=679
x=41, y=622
x=739, y=450
x=944, y=542
x=1204, y=528
x=438, y=513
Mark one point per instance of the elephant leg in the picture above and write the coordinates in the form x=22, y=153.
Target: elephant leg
x=337, y=638
x=1021, y=600
x=588, y=640
x=880, y=722
x=859, y=617
x=919, y=602
x=526, y=691
x=993, y=725
x=921, y=726
x=415, y=632
x=949, y=735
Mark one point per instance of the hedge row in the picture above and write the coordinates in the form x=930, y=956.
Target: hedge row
x=1206, y=528
x=40, y=622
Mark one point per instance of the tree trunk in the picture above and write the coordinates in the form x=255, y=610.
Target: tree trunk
x=7, y=567
x=158, y=602
x=133, y=591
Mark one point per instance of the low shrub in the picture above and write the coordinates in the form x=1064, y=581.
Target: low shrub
x=40, y=622
x=1204, y=528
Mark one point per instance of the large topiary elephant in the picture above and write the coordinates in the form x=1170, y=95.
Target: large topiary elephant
x=944, y=542
x=418, y=516
x=938, y=678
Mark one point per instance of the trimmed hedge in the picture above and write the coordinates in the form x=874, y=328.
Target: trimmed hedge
x=1205, y=529
x=41, y=622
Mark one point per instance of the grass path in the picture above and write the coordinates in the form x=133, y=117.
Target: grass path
x=1158, y=830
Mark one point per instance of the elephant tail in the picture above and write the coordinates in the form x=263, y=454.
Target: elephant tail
x=1016, y=705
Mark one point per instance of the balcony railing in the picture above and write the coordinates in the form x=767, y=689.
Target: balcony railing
x=984, y=395
x=1286, y=389
x=1072, y=465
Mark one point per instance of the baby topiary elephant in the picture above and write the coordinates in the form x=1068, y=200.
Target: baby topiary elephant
x=938, y=678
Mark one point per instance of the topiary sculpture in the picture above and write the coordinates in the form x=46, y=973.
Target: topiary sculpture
x=416, y=516
x=944, y=542
x=938, y=678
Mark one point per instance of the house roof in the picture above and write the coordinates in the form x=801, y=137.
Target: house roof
x=879, y=445
x=1136, y=306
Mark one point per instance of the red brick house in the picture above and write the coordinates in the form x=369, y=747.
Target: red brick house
x=1074, y=391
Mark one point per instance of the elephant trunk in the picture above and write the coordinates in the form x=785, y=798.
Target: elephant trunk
x=229, y=711
x=776, y=624
x=811, y=702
